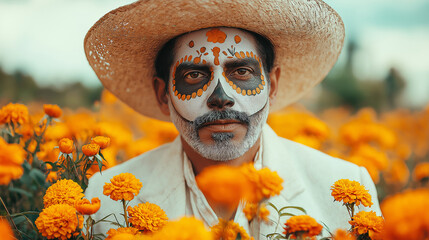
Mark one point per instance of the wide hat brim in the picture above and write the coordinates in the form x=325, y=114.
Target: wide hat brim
x=121, y=47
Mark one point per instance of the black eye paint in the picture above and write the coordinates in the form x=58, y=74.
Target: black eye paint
x=244, y=74
x=187, y=84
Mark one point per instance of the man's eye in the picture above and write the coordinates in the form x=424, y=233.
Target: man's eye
x=194, y=77
x=242, y=74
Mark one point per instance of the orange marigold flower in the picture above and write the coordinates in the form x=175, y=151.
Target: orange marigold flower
x=264, y=182
x=122, y=187
x=101, y=141
x=421, y=171
x=186, y=228
x=250, y=210
x=405, y=217
x=6, y=231
x=59, y=221
x=350, y=192
x=341, y=234
x=14, y=113
x=90, y=149
x=12, y=157
x=52, y=110
x=224, y=185
x=66, y=145
x=83, y=206
x=64, y=191
x=147, y=217
x=124, y=230
x=366, y=222
x=228, y=230
x=302, y=226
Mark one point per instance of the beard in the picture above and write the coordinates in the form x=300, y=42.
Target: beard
x=223, y=148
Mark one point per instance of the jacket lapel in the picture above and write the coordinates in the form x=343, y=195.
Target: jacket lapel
x=279, y=159
x=166, y=184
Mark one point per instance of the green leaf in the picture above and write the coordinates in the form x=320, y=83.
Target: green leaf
x=38, y=176
x=294, y=207
x=287, y=214
x=100, y=164
x=275, y=236
x=272, y=205
x=21, y=191
x=18, y=219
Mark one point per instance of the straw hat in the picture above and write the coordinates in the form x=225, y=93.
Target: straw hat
x=121, y=47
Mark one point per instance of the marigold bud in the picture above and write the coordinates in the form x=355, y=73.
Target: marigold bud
x=66, y=145
x=101, y=141
x=90, y=149
x=83, y=206
x=52, y=110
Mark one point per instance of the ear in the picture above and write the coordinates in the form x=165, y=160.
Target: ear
x=274, y=80
x=161, y=95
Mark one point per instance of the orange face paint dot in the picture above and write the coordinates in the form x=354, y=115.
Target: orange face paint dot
x=194, y=94
x=234, y=87
x=237, y=39
x=249, y=92
x=263, y=82
x=205, y=54
x=203, y=49
x=174, y=88
x=253, y=92
x=175, y=93
x=174, y=81
x=183, y=97
x=208, y=84
x=261, y=87
x=242, y=54
x=197, y=60
x=199, y=92
x=247, y=54
x=231, y=83
x=204, y=61
x=238, y=90
x=237, y=55
x=181, y=60
x=243, y=92
x=251, y=54
x=258, y=90
x=224, y=53
x=188, y=97
x=191, y=44
x=262, y=77
x=190, y=58
x=229, y=57
x=205, y=88
x=186, y=58
x=179, y=96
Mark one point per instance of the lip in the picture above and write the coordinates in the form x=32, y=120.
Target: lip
x=224, y=125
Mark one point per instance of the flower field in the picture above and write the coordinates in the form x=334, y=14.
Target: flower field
x=47, y=155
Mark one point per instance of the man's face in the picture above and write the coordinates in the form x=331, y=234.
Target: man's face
x=218, y=92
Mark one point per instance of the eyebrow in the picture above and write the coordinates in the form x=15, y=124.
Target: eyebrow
x=192, y=66
x=234, y=63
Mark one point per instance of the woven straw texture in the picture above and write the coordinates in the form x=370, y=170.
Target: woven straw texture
x=121, y=47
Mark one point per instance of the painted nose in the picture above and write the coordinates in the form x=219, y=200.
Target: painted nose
x=219, y=100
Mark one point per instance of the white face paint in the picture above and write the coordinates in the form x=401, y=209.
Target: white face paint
x=206, y=58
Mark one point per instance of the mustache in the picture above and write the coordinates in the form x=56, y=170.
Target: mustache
x=220, y=115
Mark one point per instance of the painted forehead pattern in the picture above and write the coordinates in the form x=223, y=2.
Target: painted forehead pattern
x=210, y=50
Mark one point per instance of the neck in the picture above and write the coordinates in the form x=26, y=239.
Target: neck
x=199, y=163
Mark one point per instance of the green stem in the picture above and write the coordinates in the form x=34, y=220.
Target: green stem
x=125, y=213
x=10, y=218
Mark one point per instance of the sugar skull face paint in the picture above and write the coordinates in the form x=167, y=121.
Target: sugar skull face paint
x=217, y=61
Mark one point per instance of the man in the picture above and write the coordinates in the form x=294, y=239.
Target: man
x=216, y=69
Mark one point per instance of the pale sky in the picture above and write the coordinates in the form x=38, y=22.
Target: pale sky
x=44, y=38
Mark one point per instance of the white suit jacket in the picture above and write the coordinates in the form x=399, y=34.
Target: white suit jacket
x=307, y=173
